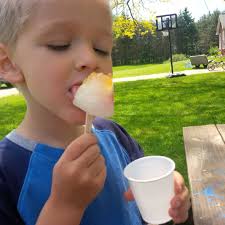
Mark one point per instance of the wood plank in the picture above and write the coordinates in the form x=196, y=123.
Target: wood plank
x=221, y=129
x=205, y=155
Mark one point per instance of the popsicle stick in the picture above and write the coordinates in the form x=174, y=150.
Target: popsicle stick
x=88, y=123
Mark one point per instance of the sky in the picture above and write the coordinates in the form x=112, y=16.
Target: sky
x=197, y=7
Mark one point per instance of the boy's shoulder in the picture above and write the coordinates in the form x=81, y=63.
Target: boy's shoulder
x=129, y=144
x=14, y=161
x=12, y=155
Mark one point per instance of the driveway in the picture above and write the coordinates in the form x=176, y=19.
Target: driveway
x=14, y=91
x=7, y=92
x=161, y=75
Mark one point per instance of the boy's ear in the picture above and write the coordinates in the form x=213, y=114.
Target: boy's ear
x=8, y=69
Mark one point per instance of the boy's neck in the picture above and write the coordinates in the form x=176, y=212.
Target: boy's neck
x=49, y=130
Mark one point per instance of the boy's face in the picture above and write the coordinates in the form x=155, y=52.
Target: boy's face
x=61, y=44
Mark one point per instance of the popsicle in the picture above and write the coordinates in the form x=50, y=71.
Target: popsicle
x=95, y=97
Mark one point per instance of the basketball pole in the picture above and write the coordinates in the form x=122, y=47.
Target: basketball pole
x=171, y=53
x=166, y=23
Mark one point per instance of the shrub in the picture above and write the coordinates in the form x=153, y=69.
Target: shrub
x=179, y=57
x=214, y=51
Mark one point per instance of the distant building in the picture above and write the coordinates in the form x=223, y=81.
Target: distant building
x=221, y=32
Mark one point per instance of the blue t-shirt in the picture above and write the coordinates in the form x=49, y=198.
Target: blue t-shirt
x=26, y=174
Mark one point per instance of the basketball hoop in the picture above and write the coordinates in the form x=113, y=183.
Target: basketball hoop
x=165, y=23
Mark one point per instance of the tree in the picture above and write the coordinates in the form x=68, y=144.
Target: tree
x=131, y=8
x=126, y=27
x=186, y=33
x=207, y=31
x=131, y=40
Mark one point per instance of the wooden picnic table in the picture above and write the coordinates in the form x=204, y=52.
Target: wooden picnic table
x=205, y=155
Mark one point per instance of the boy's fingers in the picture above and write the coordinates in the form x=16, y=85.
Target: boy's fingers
x=87, y=158
x=178, y=217
x=128, y=195
x=181, y=201
x=78, y=146
x=178, y=183
x=100, y=176
x=97, y=166
x=184, y=195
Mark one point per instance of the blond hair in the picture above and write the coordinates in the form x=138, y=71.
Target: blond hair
x=13, y=16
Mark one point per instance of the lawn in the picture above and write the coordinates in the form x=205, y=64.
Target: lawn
x=153, y=111
x=137, y=70
x=11, y=112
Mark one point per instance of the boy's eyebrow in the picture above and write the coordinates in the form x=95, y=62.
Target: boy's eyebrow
x=65, y=25
x=54, y=26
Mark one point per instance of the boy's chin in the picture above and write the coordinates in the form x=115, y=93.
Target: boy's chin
x=77, y=119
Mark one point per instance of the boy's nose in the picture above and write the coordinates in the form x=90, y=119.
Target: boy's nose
x=86, y=60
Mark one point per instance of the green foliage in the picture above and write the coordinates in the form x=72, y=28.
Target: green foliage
x=145, y=27
x=207, y=32
x=137, y=42
x=124, y=27
x=143, y=46
x=133, y=41
x=186, y=34
x=179, y=57
x=214, y=51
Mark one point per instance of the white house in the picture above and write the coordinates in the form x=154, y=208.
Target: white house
x=221, y=32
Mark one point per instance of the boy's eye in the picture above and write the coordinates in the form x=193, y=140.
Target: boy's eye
x=101, y=52
x=59, y=47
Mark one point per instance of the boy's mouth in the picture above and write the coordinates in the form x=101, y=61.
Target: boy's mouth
x=73, y=89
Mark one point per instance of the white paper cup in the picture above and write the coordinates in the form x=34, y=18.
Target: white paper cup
x=152, y=184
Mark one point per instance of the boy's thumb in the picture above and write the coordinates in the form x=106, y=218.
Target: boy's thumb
x=78, y=146
x=178, y=183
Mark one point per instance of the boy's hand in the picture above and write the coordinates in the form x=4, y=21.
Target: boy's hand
x=180, y=203
x=79, y=175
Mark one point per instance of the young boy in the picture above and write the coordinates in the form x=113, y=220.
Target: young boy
x=50, y=173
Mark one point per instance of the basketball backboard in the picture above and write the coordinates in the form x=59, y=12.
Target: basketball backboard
x=166, y=22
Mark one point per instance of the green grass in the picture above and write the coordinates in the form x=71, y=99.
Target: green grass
x=136, y=70
x=11, y=113
x=153, y=111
